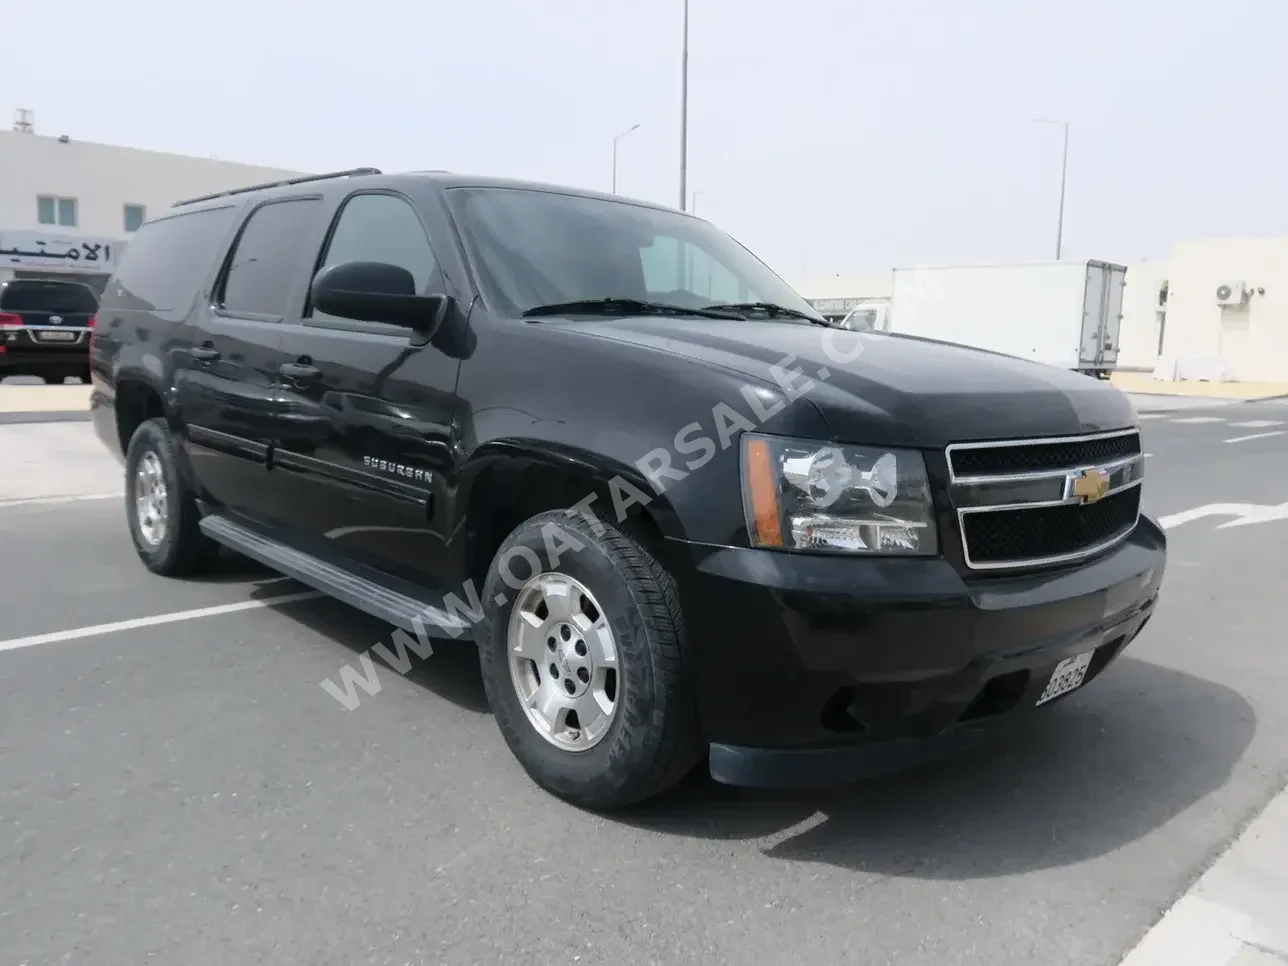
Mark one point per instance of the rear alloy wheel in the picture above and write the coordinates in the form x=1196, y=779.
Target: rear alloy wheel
x=582, y=650
x=150, y=507
x=161, y=509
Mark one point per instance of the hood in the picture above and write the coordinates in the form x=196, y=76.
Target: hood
x=888, y=389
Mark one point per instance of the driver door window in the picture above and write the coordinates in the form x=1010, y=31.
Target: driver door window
x=381, y=228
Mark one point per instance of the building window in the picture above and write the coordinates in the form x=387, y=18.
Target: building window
x=134, y=215
x=56, y=211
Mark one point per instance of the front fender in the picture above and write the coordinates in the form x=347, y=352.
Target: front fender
x=665, y=425
x=608, y=485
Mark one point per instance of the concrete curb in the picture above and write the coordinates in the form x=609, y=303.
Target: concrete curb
x=1234, y=914
x=10, y=419
x=20, y=398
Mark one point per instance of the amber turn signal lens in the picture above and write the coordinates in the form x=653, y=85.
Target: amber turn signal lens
x=763, y=490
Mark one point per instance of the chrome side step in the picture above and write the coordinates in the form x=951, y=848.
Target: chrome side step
x=416, y=614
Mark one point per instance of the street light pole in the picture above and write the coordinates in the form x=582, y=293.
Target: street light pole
x=684, y=112
x=1064, y=175
x=693, y=203
x=615, y=140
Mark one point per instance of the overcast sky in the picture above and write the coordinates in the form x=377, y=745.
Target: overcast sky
x=830, y=136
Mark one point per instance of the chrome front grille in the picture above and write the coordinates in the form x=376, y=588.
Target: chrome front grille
x=1042, y=502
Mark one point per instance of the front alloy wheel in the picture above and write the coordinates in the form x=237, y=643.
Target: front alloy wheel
x=563, y=661
x=584, y=664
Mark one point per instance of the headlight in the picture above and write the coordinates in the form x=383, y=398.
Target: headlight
x=802, y=495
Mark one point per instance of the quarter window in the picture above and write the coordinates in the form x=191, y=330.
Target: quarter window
x=167, y=261
x=266, y=261
x=382, y=228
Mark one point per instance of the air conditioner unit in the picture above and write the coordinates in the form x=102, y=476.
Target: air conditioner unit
x=1231, y=293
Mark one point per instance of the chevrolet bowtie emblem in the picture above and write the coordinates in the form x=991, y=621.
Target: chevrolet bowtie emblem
x=1090, y=485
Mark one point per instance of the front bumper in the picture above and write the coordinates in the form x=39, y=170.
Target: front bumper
x=814, y=669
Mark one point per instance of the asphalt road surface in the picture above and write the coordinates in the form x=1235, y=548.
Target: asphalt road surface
x=182, y=791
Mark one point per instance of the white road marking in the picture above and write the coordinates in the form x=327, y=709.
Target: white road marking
x=1148, y=455
x=1199, y=419
x=1152, y=415
x=1258, y=423
x=38, y=500
x=1258, y=514
x=1244, y=439
x=1245, y=514
x=94, y=630
x=774, y=839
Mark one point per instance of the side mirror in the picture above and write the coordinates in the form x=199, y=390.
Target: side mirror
x=376, y=292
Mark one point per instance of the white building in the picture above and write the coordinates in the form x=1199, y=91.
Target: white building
x=1216, y=309
x=69, y=207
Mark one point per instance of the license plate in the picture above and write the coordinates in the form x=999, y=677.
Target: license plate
x=1068, y=674
x=56, y=336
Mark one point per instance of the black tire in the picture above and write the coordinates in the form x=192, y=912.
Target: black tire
x=84, y=377
x=183, y=549
x=53, y=380
x=654, y=739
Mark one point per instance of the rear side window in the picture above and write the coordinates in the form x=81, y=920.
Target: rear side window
x=63, y=298
x=268, y=257
x=166, y=261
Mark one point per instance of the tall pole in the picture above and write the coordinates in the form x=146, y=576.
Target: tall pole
x=1064, y=177
x=615, y=140
x=684, y=112
x=693, y=203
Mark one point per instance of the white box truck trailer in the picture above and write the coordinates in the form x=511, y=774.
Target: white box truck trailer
x=1064, y=314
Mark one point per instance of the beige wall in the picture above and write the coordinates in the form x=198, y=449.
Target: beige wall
x=1252, y=339
x=1138, y=335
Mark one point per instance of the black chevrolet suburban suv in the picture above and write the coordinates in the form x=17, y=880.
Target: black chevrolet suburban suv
x=682, y=516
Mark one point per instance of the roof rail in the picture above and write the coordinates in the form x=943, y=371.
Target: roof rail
x=303, y=179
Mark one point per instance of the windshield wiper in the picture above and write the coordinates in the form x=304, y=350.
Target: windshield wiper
x=627, y=307
x=771, y=309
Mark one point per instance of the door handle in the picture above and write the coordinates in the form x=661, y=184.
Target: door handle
x=204, y=353
x=298, y=371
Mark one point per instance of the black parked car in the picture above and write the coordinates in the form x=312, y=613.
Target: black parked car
x=681, y=515
x=45, y=328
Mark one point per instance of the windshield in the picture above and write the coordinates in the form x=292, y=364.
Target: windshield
x=68, y=298
x=861, y=320
x=534, y=248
